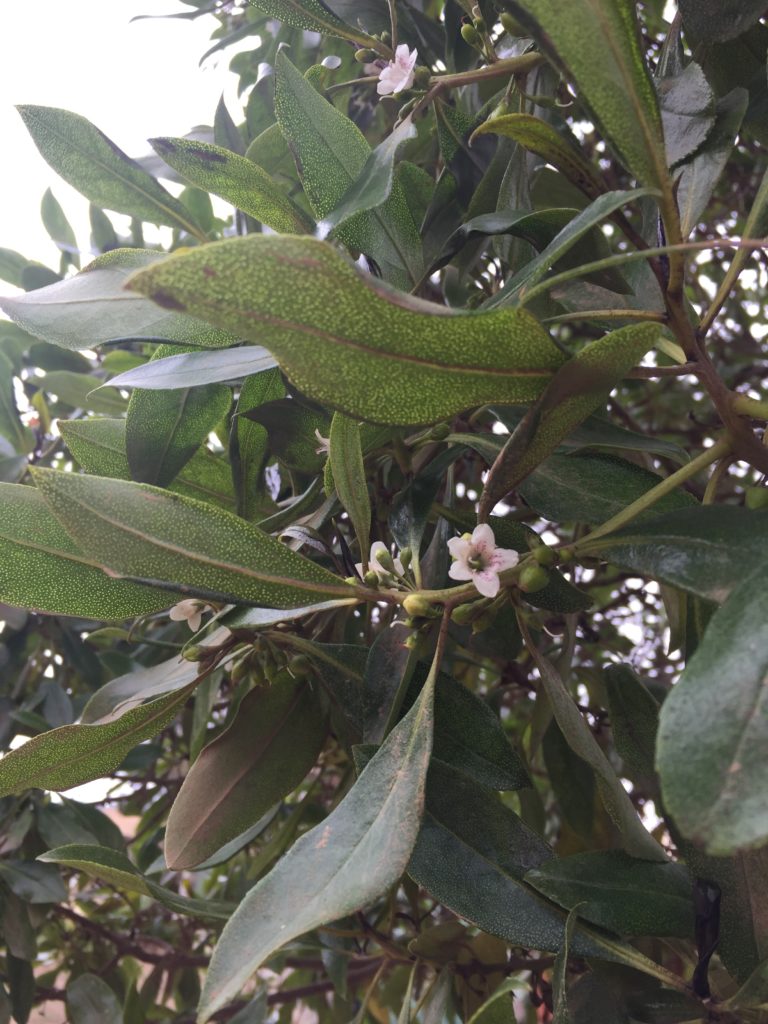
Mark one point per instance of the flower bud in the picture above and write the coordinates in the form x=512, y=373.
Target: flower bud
x=469, y=35
x=422, y=77
x=511, y=25
x=545, y=555
x=386, y=38
x=533, y=578
x=417, y=605
x=193, y=653
x=384, y=559
x=366, y=56
x=480, y=24
x=406, y=557
x=463, y=614
x=371, y=579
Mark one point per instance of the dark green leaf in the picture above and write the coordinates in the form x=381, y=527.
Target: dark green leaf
x=33, y=883
x=687, y=112
x=93, y=308
x=147, y=533
x=312, y=15
x=95, y=166
x=91, y=1001
x=249, y=442
x=620, y=893
x=263, y=755
x=712, y=729
x=718, y=20
x=357, y=353
x=634, y=717
x=346, y=455
x=237, y=180
x=339, y=866
x=560, y=1013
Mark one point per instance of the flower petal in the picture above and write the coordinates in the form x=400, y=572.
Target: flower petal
x=483, y=539
x=503, y=558
x=459, y=548
x=487, y=582
x=460, y=571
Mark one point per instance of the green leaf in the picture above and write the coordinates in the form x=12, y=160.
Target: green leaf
x=718, y=20
x=81, y=391
x=560, y=1014
x=713, y=728
x=687, y=112
x=544, y=140
x=373, y=185
x=12, y=265
x=312, y=15
x=193, y=369
x=593, y=488
x=634, y=716
x=237, y=180
x=292, y=426
x=499, y=1008
x=753, y=993
x=637, y=841
x=91, y=1001
x=90, y=162
x=620, y=893
x=346, y=455
x=578, y=388
x=11, y=427
x=164, y=429
x=148, y=533
x=58, y=227
x=259, y=759
x=74, y=754
x=598, y=41
x=331, y=154
x=98, y=445
x=339, y=866
x=114, y=868
x=93, y=307
x=704, y=550
x=33, y=883
x=41, y=568
x=359, y=352
x=249, y=442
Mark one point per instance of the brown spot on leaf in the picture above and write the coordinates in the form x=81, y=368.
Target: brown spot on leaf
x=167, y=301
x=164, y=145
x=209, y=272
x=207, y=154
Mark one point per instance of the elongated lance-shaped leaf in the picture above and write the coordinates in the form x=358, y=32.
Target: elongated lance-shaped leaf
x=93, y=307
x=560, y=1014
x=147, y=533
x=540, y=137
x=599, y=43
x=264, y=754
x=715, y=780
x=193, y=369
x=75, y=754
x=577, y=389
x=339, y=866
x=41, y=567
x=116, y=869
x=100, y=170
x=313, y=16
x=348, y=341
x=346, y=454
x=237, y=180
x=331, y=154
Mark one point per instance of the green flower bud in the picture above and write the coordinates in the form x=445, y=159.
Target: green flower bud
x=371, y=579
x=480, y=24
x=545, y=555
x=463, y=614
x=533, y=540
x=469, y=35
x=533, y=578
x=421, y=77
x=193, y=653
x=365, y=56
x=417, y=605
x=511, y=25
x=386, y=38
x=406, y=557
x=384, y=559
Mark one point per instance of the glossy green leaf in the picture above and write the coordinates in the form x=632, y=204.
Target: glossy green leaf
x=331, y=154
x=262, y=756
x=637, y=841
x=339, y=866
x=540, y=137
x=186, y=545
x=620, y=893
x=599, y=43
x=312, y=15
x=593, y=488
x=373, y=185
x=90, y=162
x=98, y=445
x=578, y=388
x=42, y=568
x=164, y=429
x=237, y=180
x=704, y=550
x=719, y=20
x=74, y=754
x=634, y=715
x=93, y=307
x=193, y=369
x=91, y=1001
x=346, y=455
x=114, y=868
x=359, y=352
x=714, y=779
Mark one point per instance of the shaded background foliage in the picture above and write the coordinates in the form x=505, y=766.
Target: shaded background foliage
x=587, y=911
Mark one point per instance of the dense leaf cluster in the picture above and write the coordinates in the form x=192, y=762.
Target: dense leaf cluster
x=344, y=776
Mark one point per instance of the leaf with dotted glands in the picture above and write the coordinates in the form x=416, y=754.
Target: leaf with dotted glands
x=346, y=340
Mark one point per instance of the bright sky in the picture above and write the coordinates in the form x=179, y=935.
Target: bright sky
x=133, y=80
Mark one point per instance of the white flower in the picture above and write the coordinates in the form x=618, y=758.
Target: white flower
x=398, y=74
x=374, y=565
x=189, y=611
x=478, y=559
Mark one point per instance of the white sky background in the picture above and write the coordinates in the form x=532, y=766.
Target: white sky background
x=133, y=80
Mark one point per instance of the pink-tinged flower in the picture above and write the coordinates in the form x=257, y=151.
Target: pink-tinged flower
x=379, y=548
x=398, y=75
x=477, y=558
x=189, y=611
